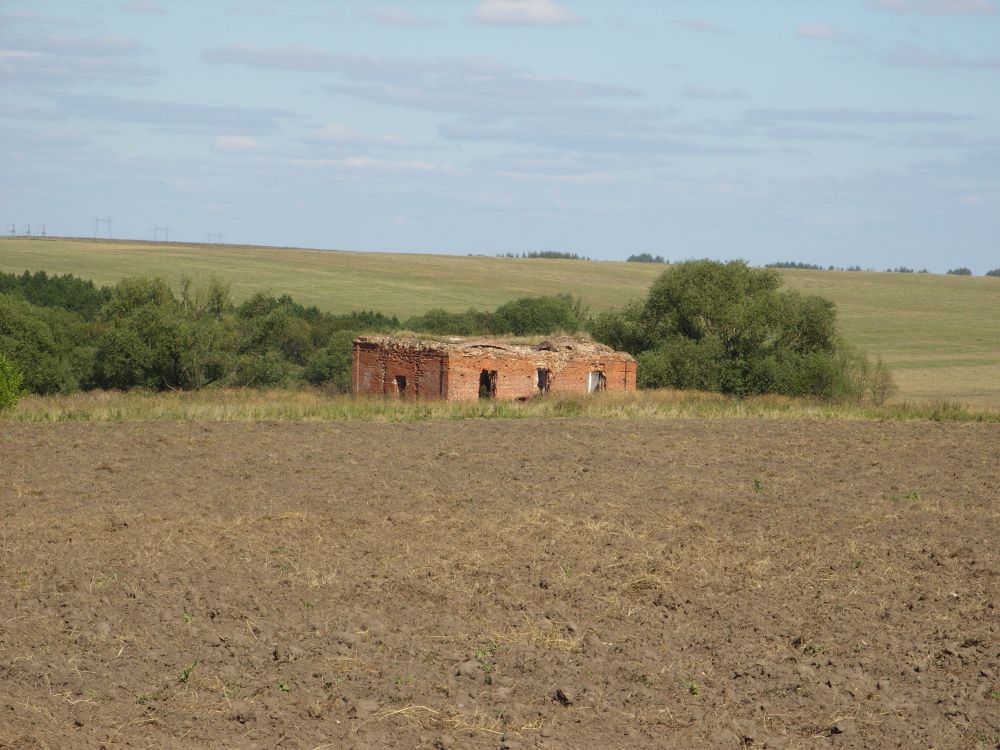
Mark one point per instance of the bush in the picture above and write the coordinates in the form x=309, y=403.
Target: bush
x=645, y=258
x=960, y=271
x=66, y=292
x=521, y=317
x=539, y=315
x=994, y=272
x=726, y=327
x=331, y=365
x=443, y=323
x=50, y=347
x=10, y=383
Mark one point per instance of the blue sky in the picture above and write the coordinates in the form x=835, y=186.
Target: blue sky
x=861, y=132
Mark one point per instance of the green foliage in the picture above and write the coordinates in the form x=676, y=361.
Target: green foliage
x=443, y=323
x=549, y=254
x=10, y=383
x=521, y=317
x=793, y=264
x=331, y=365
x=66, y=292
x=962, y=271
x=995, y=272
x=142, y=342
x=540, y=315
x=645, y=258
x=51, y=347
x=727, y=327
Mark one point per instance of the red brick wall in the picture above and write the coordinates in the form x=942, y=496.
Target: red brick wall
x=455, y=375
x=375, y=371
x=517, y=377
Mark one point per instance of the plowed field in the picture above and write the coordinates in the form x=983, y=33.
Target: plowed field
x=490, y=584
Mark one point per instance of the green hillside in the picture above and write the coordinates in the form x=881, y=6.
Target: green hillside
x=940, y=334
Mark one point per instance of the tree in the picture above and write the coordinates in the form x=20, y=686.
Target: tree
x=994, y=272
x=728, y=327
x=962, y=271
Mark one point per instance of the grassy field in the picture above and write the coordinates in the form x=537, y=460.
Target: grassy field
x=939, y=334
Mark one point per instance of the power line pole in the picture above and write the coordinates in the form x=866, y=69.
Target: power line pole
x=43, y=231
x=109, y=221
x=13, y=229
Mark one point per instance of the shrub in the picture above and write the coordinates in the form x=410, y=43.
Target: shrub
x=539, y=315
x=10, y=383
x=994, y=272
x=960, y=271
x=331, y=365
x=66, y=292
x=726, y=327
x=50, y=347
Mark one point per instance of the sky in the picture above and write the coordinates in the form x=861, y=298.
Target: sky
x=856, y=132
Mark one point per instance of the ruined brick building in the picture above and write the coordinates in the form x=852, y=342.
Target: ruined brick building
x=465, y=369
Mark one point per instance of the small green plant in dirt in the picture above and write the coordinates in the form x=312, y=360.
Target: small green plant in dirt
x=995, y=695
x=186, y=672
x=188, y=617
x=485, y=656
x=911, y=497
x=693, y=687
x=284, y=687
x=758, y=486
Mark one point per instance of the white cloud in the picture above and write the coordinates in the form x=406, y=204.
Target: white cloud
x=709, y=92
x=937, y=7
x=235, y=144
x=849, y=115
x=398, y=17
x=697, y=24
x=817, y=31
x=143, y=6
x=369, y=163
x=525, y=13
x=909, y=55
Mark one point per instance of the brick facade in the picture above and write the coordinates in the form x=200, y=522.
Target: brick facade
x=465, y=370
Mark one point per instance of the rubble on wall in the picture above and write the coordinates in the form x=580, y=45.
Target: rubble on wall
x=565, y=347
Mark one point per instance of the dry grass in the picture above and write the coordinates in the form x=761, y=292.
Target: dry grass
x=307, y=405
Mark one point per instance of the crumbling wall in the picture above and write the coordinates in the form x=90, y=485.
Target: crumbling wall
x=517, y=374
x=458, y=370
x=399, y=371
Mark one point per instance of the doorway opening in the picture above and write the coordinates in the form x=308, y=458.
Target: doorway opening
x=596, y=382
x=400, y=383
x=488, y=384
x=544, y=380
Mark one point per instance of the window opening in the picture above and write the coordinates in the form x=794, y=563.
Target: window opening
x=488, y=384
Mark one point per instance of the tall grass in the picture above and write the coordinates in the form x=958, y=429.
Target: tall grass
x=313, y=405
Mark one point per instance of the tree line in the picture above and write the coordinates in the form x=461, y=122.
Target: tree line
x=707, y=325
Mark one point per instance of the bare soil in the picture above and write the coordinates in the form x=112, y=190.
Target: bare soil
x=491, y=584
